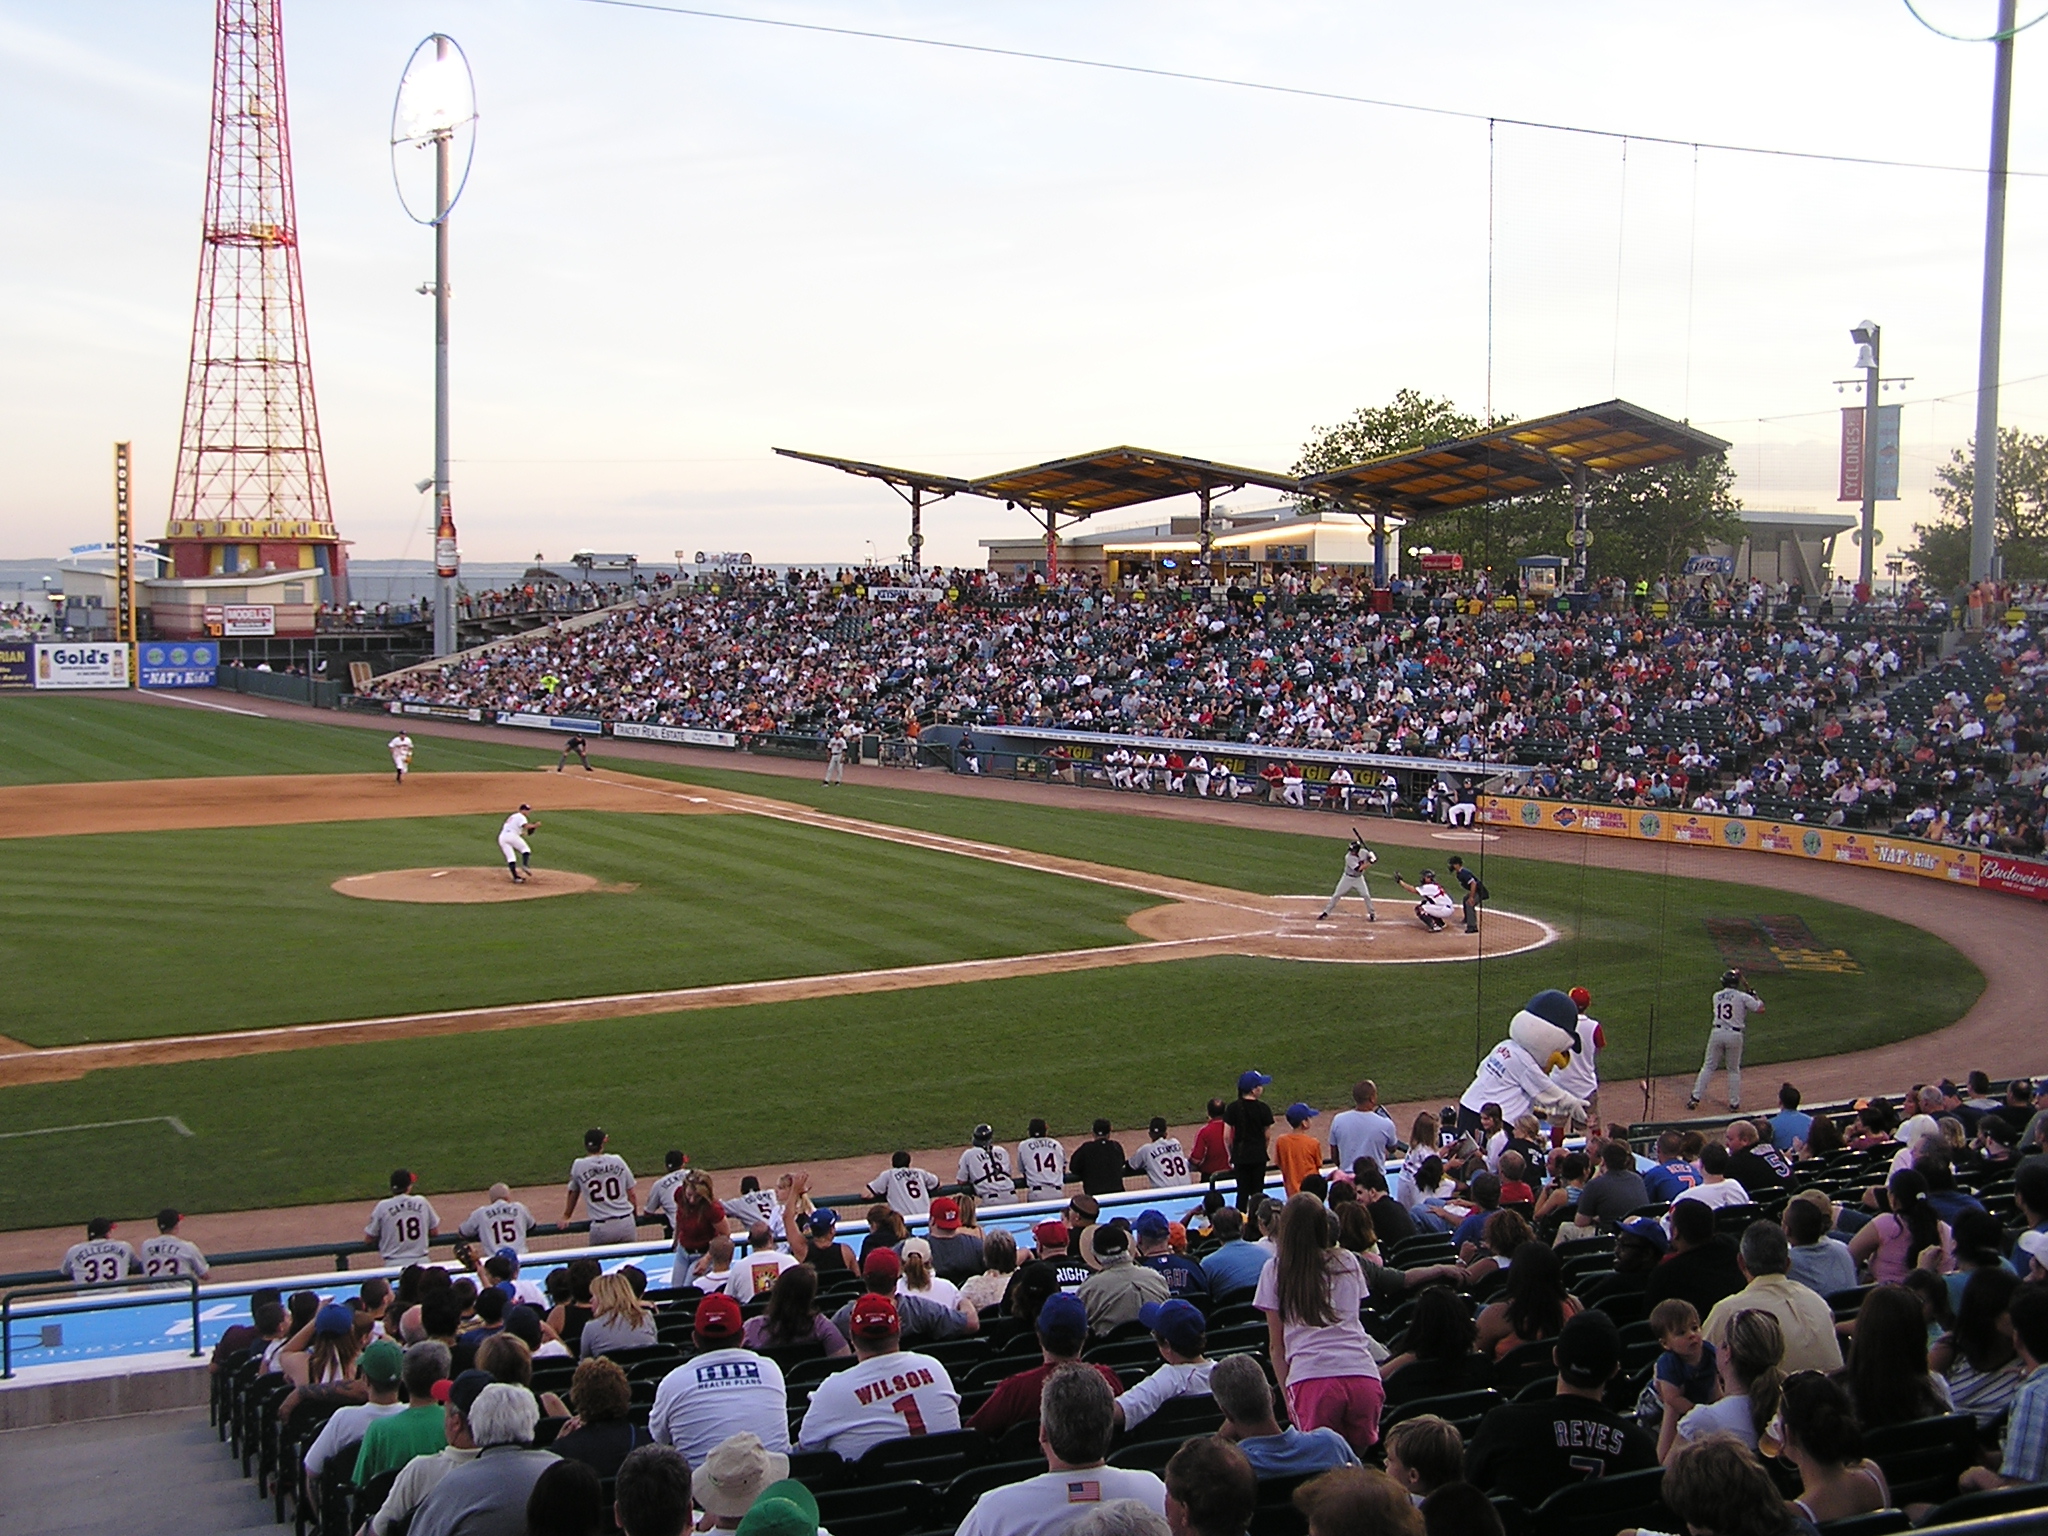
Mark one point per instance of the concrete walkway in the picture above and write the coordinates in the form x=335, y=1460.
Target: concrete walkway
x=140, y=1476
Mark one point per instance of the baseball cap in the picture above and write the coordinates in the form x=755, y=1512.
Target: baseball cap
x=168, y=1218
x=99, y=1226
x=1178, y=1322
x=945, y=1214
x=1107, y=1239
x=510, y=1256
x=333, y=1318
x=874, y=1317
x=882, y=1264
x=824, y=1221
x=1250, y=1079
x=1581, y=998
x=1063, y=1321
x=735, y=1474
x=784, y=1509
x=1158, y=1125
x=718, y=1317
x=1648, y=1230
x=1151, y=1225
x=1589, y=1349
x=1299, y=1111
x=1085, y=1206
x=595, y=1136
x=463, y=1390
x=381, y=1363
x=2035, y=1246
x=1051, y=1234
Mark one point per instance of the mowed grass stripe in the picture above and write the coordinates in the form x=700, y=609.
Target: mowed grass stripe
x=125, y=936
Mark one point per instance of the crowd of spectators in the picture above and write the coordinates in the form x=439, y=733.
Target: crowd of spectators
x=1780, y=1306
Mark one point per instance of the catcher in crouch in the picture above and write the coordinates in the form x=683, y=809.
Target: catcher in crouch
x=1435, y=906
x=1357, y=859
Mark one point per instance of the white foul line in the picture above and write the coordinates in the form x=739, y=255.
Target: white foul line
x=101, y=1125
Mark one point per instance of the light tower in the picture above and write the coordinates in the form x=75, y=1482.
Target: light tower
x=250, y=491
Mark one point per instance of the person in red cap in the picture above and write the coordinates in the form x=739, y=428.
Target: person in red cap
x=956, y=1255
x=1580, y=1076
x=889, y=1394
x=919, y=1317
x=720, y=1390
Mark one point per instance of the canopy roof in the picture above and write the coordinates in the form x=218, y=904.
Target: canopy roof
x=905, y=479
x=1515, y=459
x=1116, y=478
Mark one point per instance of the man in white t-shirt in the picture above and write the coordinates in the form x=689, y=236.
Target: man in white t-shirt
x=1075, y=1423
x=889, y=1394
x=720, y=1390
x=501, y=1222
x=1180, y=1333
x=603, y=1181
x=1717, y=1189
x=401, y=1224
x=1162, y=1160
x=1364, y=1130
x=1043, y=1162
x=908, y=1190
x=754, y=1274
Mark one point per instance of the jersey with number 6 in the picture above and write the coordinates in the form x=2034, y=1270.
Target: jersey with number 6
x=909, y=1191
x=883, y=1398
x=400, y=1227
x=605, y=1183
x=1164, y=1162
x=1044, y=1162
x=501, y=1224
x=170, y=1258
x=102, y=1261
x=1733, y=1006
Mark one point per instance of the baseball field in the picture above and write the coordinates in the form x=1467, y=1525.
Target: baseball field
x=759, y=970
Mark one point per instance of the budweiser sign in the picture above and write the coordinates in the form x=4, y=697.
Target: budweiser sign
x=2018, y=877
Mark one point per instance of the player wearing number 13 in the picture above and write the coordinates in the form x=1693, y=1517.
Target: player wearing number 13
x=603, y=1180
x=102, y=1259
x=1733, y=1005
x=401, y=1224
x=890, y=1393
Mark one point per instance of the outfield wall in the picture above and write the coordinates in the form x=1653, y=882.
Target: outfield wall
x=1792, y=839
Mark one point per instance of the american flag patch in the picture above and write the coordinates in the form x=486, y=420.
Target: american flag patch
x=1084, y=1493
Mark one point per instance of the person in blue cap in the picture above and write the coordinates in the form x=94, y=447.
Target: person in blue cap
x=1245, y=1124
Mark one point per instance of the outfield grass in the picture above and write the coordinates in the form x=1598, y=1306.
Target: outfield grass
x=793, y=1081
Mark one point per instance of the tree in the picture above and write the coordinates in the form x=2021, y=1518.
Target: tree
x=1942, y=556
x=1410, y=420
x=1644, y=522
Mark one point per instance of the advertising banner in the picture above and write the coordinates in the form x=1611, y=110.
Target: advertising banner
x=101, y=665
x=17, y=664
x=679, y=735
x=2017, y=877
x=248, y=619
x=440, y=712
x=907, y=594
x=1884, y=453
x=1852, y=454
x=178, y=664
x=554, y=723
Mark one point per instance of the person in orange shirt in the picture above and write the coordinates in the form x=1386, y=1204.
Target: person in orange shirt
x=1299, y=1152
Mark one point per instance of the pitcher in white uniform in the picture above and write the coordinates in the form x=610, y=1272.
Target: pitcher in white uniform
x=512, y=843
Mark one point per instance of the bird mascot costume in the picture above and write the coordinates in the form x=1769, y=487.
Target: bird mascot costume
x=1516, y=1073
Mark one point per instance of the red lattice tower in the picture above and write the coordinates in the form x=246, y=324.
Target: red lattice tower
x=251, y=487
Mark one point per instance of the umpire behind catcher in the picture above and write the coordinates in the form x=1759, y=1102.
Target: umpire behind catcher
x=1475, y=892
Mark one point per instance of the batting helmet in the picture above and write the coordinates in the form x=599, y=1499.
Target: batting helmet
x=1731, y=978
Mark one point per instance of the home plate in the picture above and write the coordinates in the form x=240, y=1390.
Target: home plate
x=1346, y=937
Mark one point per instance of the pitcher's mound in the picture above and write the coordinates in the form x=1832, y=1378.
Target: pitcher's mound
x=462, y=885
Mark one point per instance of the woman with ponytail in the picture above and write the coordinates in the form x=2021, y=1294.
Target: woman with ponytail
x=1887, y=1377
x=1752, y=1375
x=1818, y=1433
x=1907, y=1235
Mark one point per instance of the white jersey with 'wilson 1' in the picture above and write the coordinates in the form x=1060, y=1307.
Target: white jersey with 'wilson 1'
x=885, y=1397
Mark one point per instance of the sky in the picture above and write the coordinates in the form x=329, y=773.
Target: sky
x=688, y=240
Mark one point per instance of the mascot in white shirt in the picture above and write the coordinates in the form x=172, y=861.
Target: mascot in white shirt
x=1516, y=1073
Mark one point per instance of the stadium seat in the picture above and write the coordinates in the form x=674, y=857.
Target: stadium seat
x=809, y=1372
x=1994, y=1501
x=1464, y=1409
x=1180, y=1418
x=1923, y=1459
x=819, y=1470
x=934, y=1459
x=1146, y=1455
x=1878, y=1522
x=1525, y=1363
x=874, y=1509
x=958, y=1496
x=1605, y=1505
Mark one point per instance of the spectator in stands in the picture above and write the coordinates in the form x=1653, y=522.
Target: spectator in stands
x=1484, y=1193
x=1246, y=1121
x=1210, y=1489
x=1822, y=1440
x=1423, y=1454
x=1234, y=1264
x=1311, y=1294
x=417, y=1430
x=1824, y=1137
x=1298, y=1152
x=1075, y=1426
x=1209, y=1158
x=1674, y=1172
x=1535, y=1304
x=602, y=1433
x=919, y=1316
x=1718, y=1487
x=1179, y=1332
x=1529, y=1450
x=1821, y=1263
x=1887, y=1375
x=421, y=1475
x=1437, y=1357
x=1459, y=1509
x=1715, y=1189
x=848, y=1415
x=1754, y=1163
x=569, y=1319
x=1364, y=1130
x=1391, y=1220
x=323, y=1352
x=1099, y=1163
x=999, y=1255
x=653, y=1494
x=1613, y=1194
x=698, y=1219
x=1907, y=1234
x=792, y=1320
x=239, y=1338
x=1977, y=1357
x=736, y=1473
x=1116, y=1292
x=1702, y=1266
x=955, y=1255
x=618, y=1321
x=1238, y=1384
x=1357, y=1499
x=1750, y=1358
x=487, y=1496
x=2025, y=1458
x=1789, y=1126
x=567, y=1500
x=506, y=1358
x=1184, y=1276
x=720, y=1390
x=380, y=1367
x=815, y=1242
x=1062, y=1329
x=1804, y=1319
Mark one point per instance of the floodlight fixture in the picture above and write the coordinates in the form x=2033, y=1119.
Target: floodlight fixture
x=435, y=106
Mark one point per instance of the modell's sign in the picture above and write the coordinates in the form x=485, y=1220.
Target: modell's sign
x=241, y=618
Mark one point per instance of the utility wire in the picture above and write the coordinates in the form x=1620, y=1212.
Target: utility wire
x=1995, y=37
x=1275, y=89
x=1960, y=394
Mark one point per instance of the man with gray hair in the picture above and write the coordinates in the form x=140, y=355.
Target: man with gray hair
x=487, y=1496
x=1239, y=1385
x=1120, y=1517
x=1075, y=1424
x=416, y=1431
x=1805, y=1320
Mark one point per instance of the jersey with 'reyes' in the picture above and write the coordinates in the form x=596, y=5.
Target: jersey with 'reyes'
x=1164, y=1162
x=909, y=1191
x=1044, y=1162
x=400, y=1226
x=501, y=1224
x=605, y=1183
x=885, y=1397
x=165, y=1257
x=98, y=1261
x=1733, y=1006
